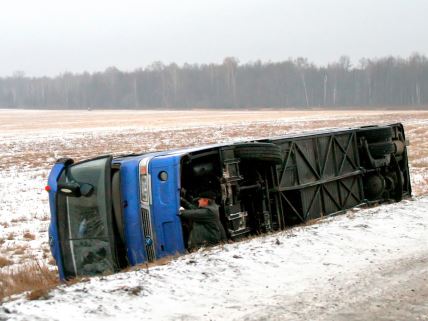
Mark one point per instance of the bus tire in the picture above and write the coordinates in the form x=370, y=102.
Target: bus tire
x=374, y=134
x=262, y=152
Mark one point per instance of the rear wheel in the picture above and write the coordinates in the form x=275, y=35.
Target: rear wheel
x=375, y=134
x=264, y=152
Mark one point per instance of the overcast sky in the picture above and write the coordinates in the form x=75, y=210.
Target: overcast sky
x=47, y=37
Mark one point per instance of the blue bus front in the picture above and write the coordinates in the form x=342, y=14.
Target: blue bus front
x=107, y=213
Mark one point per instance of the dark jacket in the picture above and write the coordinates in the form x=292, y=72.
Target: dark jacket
x=206, y=226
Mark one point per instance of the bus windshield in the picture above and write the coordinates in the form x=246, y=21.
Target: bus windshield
x=85, y=220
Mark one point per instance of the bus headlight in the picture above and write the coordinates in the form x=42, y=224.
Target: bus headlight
x=144, y=181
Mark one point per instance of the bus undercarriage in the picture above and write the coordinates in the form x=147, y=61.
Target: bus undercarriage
x=268, y=184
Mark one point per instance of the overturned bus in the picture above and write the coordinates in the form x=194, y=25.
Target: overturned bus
x=111, y=212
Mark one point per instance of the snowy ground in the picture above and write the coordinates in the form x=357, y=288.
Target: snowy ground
x=28, y=149
x=369, y=264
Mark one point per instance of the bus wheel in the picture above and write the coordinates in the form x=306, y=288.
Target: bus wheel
x=375, y=134
x=263, y=152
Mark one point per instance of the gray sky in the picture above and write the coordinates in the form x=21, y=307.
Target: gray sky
x=47, y=37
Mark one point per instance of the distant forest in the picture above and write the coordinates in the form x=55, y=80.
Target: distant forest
x=388, y=81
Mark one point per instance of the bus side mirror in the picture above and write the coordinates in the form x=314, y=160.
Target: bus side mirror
x=74, y=189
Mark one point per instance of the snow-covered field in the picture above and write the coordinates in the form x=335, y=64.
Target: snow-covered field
x=367, y=264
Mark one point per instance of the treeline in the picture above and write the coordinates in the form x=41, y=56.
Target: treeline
x=386, y=81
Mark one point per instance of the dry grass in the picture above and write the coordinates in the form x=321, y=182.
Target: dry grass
x=418, y=157
x=162, y=261
x=34, y=278
x=418, y=150
x=154, y=134
x=20, y=249
x=29, y=236
x=51, y=261
x=5, y=261
x=19, y=219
